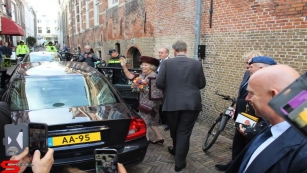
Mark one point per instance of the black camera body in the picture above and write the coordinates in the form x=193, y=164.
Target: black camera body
x=121, y=56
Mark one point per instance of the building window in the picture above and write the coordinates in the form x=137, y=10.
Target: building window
x=40, y=29
x=47, y=22
x=87, y=15
x=117, y=47
x=96, y=12
x=113, y=3
x=48, y=30
x=55, y=21
x=13, y=12
x=39, y=21
x=80, y=14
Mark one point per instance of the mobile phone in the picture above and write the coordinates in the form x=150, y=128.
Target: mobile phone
x=106, y=160
x=38, y=136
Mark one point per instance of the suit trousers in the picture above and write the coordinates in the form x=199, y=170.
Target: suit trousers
x=238, y=144
x=163, y=117
x=181, y=124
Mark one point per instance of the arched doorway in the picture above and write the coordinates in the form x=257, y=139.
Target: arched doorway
x=134, y=55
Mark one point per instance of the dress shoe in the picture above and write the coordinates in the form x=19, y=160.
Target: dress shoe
x=221, y=167
x=161, y=141
x=166, y=128
x=171, y=150
x=179, y=168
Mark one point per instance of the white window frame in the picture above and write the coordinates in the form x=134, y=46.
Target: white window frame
x=49, y=30
x=76, y=14
x=13, y=12
x=41, y=29
x=112, y=3
x=87, y=20
x=80, y=15
x=96, y=12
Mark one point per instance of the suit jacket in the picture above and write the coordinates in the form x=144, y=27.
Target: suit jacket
x=288, y=153
x=181, y=78
x=161, y=61
x=242, y=93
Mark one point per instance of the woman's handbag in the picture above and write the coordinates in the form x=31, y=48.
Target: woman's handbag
x=144, y=108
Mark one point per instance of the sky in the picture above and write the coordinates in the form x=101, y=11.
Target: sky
x=49, y=7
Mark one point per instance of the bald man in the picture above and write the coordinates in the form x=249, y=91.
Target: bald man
x=279, y=148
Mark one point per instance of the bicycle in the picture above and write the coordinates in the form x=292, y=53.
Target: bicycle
x=220, y=123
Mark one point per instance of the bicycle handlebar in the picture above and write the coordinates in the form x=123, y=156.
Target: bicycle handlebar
x=233, y=100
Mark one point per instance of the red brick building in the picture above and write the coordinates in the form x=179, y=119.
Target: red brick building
x=277, y=28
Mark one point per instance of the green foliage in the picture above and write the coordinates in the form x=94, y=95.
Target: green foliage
x=31, y=41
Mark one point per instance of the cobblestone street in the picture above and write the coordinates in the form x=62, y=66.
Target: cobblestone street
x=159, y=160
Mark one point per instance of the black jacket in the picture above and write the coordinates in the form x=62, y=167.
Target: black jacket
x=89, y=61
x=7, y=51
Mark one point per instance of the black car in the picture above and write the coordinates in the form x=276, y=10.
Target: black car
x=76, y=100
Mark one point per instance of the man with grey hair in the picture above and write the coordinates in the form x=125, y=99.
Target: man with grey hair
x=181, y=78
x=243, y=136
x=88, y=57
x=163, y=55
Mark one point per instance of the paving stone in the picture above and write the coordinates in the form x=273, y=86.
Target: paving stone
x=158, y=159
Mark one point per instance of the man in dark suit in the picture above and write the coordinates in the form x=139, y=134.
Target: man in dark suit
x=279, y=148
x=163, y=55
x=239, y=140
x=181, y=78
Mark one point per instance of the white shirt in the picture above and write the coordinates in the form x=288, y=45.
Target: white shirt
x=276, y=130
x=161, y=63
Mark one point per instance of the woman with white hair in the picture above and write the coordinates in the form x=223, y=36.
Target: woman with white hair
x=149, y=108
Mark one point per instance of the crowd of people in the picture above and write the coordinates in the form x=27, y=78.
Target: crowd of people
x=175, y=98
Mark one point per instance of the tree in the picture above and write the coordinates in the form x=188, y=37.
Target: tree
x=31, y=41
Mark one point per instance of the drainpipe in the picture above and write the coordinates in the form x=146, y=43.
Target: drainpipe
x=197, y=28
x=72, y=27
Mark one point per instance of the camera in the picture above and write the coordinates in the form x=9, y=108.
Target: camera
x=121, y=56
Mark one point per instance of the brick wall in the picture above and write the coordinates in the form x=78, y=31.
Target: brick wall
x=166, y=22
x=277, y=28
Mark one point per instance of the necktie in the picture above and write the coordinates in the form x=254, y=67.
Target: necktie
x=258, y=141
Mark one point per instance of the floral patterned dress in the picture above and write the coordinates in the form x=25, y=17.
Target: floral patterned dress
x=150, y=120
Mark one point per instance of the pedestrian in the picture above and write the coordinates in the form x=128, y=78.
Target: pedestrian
x=151, y=115
x=50, y=47
x=279, y=148
x=242, y=138
x=7, y=50
x=163, y=55
x=22, y=50
x=88, y=57
x=181, y=78
x=114, y=61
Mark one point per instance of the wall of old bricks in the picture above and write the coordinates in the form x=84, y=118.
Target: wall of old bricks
x=277, y=28
x=166, y=22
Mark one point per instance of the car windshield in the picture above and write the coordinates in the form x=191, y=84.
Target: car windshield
x=41, y=57
x=49, y=92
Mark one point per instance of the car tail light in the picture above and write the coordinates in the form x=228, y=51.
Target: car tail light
x=137, y=129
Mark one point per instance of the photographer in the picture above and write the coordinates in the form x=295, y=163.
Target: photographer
x=118, y=75
x=88, y=57
x=50, y=47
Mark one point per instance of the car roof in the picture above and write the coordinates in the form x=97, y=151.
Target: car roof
x=55, y=68
x=41, y=53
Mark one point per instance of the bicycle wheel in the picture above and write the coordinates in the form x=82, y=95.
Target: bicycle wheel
x=212, y=135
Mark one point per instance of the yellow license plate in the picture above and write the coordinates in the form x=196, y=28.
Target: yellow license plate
x=73, y=139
